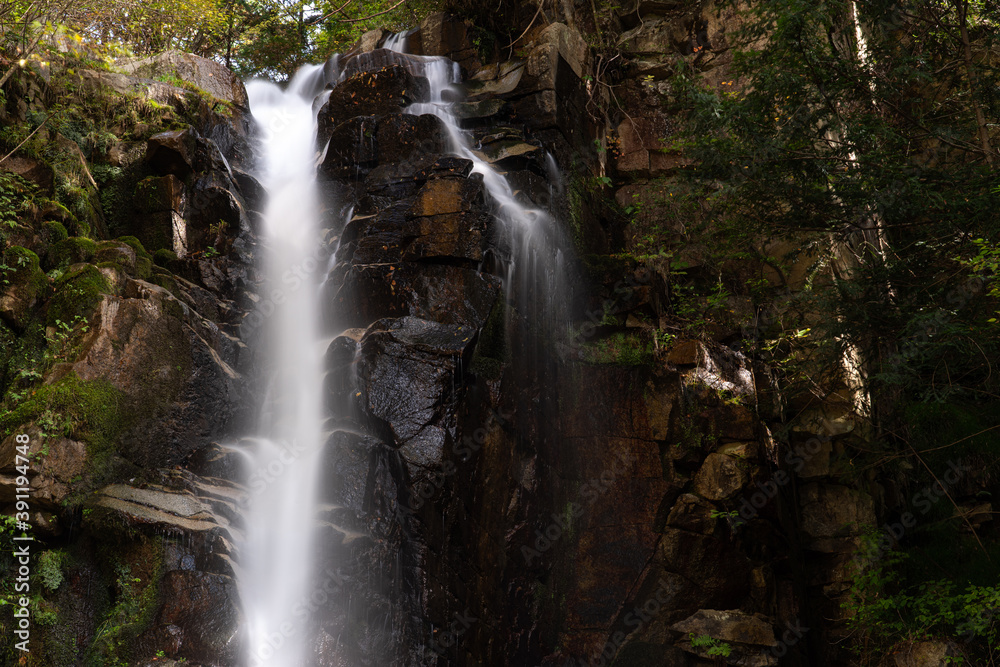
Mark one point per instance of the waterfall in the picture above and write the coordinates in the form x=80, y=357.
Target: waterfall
x=276, y=555
x=536, y=280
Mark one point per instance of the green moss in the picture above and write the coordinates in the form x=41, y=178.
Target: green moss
x=162, y=257
x=77, y=294
x=136, y=245
x=20, y=274
x=143, y=268
x=56, y=231
x=87, y=410
x=82, y=202
x=69, y=251
x=143, y=260
x=56, y=211
x=164, y=280
x=21, y=268
x=622, y=348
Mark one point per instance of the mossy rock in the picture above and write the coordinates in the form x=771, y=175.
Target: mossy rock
x=164, y=257
x=143, y=260
x=84, y=205
x=53, y=210
x=87, y=410
x=55, y=231
x=23, y=283
x=72, y=250
x=136, y=245
x=22, y=268
x=166, y=280
x=118, y=253
x=77, y=294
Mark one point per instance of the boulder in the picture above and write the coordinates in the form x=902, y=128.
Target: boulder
x=371, y=93
x=32, y=170
x=147, y=345
x=925, y=654
x=720, y=477
x=496, y=151
x=556, y=43
x=750, y=637
x=442, y=34
x=22, y=286
x=694, y=514
x=370, y=40
x=405, y=375
x=713, y=572
x=59, y=463
x=208, y=75
x=173, y=152
x=502, y=81
x=159, y=193
x=201, y=618
x=116, y=252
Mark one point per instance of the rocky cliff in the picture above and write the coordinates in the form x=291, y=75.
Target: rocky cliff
x=639, y=492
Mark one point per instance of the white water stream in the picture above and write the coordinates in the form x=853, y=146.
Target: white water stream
x=277, y=553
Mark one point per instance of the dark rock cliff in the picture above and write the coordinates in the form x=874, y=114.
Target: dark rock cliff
x=622, y=496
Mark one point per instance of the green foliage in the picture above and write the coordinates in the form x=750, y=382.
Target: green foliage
x=135, y=605
x=877, y=146
x=885, y=612
x=88, y=411
x=622, y=348
x=712, y=646
x=50, y=569
x=14, y=193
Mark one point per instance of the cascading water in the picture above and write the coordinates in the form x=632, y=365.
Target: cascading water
x=536, y=278
x=275, y=558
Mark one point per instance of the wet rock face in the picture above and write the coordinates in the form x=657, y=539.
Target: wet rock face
x=409, y=290
x=521, y=508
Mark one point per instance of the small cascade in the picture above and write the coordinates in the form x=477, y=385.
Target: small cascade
x=276, y=557
x=536, y=279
